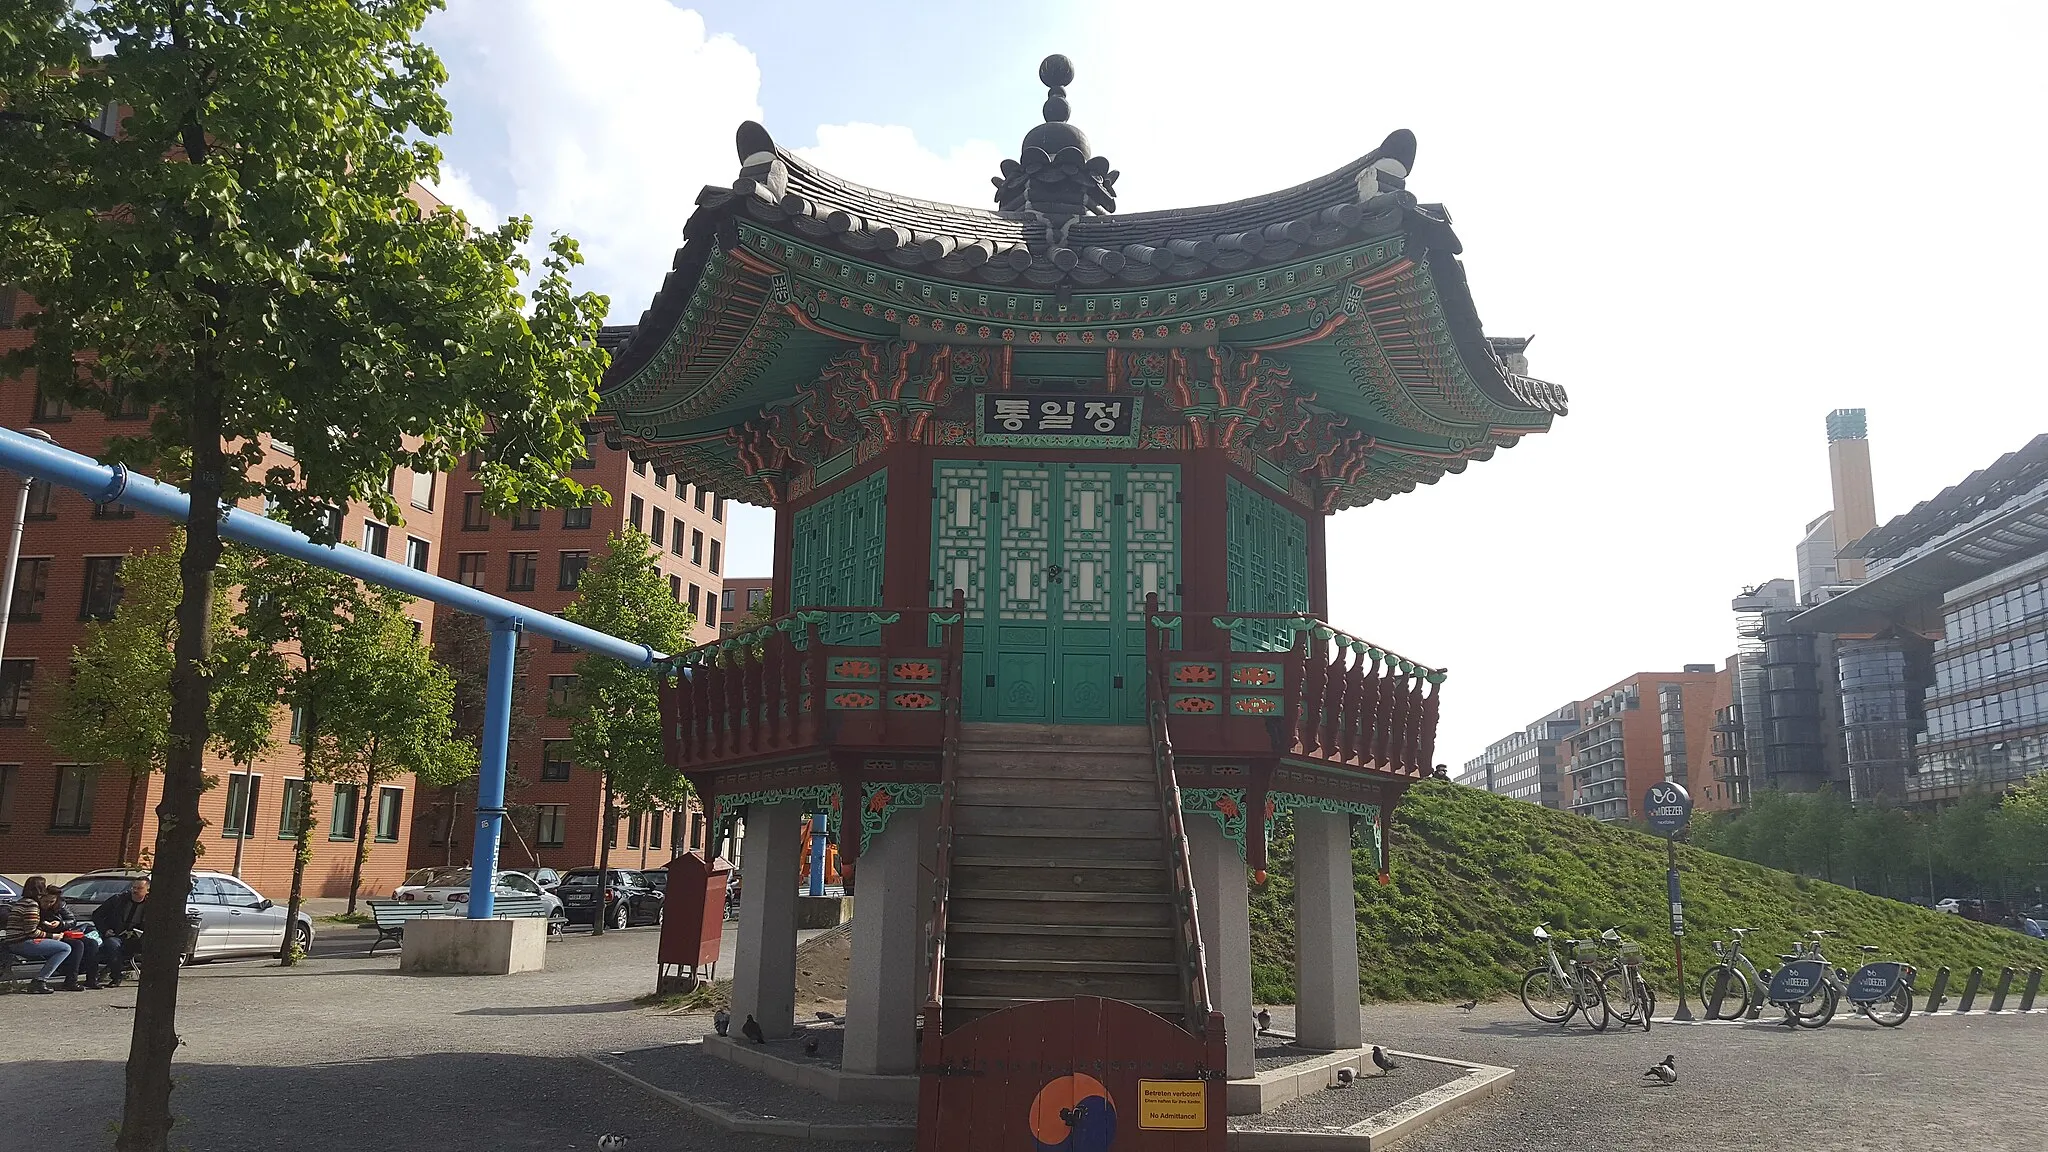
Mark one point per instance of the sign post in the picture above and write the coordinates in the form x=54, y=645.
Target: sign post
x=1668, y=808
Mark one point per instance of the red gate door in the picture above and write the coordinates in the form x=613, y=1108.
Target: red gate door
x=1079, y=1075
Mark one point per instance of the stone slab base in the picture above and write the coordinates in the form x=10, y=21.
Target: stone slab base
x=1277, y=1086
x=823, y=1079
x=451, y=946
x=822, y=911
x=790, y=1128
x=1381, y=1130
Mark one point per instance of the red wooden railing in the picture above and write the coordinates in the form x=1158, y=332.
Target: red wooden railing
x=1194, y=984
x=942, y=880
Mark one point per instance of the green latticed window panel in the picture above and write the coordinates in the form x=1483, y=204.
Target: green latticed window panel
x=960, y=535
x=836, y=558
x=1266, y=558
x=1151, y=539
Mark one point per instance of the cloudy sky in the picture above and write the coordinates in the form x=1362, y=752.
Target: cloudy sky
x=1721, y=221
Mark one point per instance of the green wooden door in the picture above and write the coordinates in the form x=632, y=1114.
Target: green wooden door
x=836, y=558
x=1266, y=556
x=1055, y=561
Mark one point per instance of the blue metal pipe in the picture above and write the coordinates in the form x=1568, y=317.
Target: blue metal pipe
x=490, y=791
x=104, y=484
x=818, y=834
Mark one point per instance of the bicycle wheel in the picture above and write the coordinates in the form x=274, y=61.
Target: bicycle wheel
x=1622, y=998
x=1593, y=996
x=1649, y=996
x=1829, y=1001
x=1547, y=998
x=1892, y=1010
x=1734, y=999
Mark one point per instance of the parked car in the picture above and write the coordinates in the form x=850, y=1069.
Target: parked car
x=1950, y=905
x=657, y=879
x=232, y=918
x=450, y=886
x=9, y=890
x=547, y=878
x=629, y=898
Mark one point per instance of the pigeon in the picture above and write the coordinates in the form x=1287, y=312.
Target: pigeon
x=811, y=1046
x=752, y=1030
x=611, y=1142
x=822, y=1015
x=1469, y=1005
x=1265, y=1020
x=722, y=1021
x=1345, y=1076
x=1665, y=1073
x=1386, y=1063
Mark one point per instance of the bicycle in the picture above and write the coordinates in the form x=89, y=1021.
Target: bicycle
x=1805, y=988
x=1881, y=990
x=1564, y=992
x=1745, y=983
x=1637, y=1003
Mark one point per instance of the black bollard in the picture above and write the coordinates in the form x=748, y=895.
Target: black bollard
x=1720, y=990
x=2033, y=986
x=2004, y=986
x=1940, y=989
x=1970, y=990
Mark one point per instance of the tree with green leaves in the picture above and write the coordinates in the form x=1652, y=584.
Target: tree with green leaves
x=116, y=709
x=617, y=709
x=211, y=203
x=390, y=713
x=462, y=644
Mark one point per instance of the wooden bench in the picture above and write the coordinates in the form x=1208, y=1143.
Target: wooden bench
x=390, y=916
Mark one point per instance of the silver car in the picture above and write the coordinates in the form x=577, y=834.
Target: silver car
x=231, y=917
x=449, y=886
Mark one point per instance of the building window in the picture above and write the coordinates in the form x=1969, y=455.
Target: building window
x=587, y=461
x=611, y=827
x=102, y=588
x=573, y=564
x=633, y=830
x=717, y=556
x=636, y=512
x=416, y=553
x=519, y=570
x=282, y=446
x=72, y=811
x=695, y=594
x=128, y=405
x=754, y=596
x=703, y=498
x=639, y=465
x=563, y=645
x=525, y=519
x=675, y=543
x=560, y=689
x=423, y=490
x=696, y=829
x=574, y=518
x=10, y=774
x=16, y=677
x=554, y=760
x=343, y=825
x=710, y=611
x=298, y=796
x=675, y=589
x=718, y=509
x=51, y=409
x=661, y=479
x=298, y=724
x=656, y=525
x=31, y=585
x=469, y=568
x=42, y=500
x=113, y=510
x=376, y=538
x=474, y=518
x=553, y=825
x=390, y=803
x=725, y=599
x=697, y=547
x=8, y=307
x=244, y=793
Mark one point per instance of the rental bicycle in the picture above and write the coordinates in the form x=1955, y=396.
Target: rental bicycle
x=1557, y=991
x=1622, y=985
x=1745, y=984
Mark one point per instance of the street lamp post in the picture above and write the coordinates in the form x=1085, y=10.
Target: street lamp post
x=14, y=547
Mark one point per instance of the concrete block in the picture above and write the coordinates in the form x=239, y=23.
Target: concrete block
x=822, y=911
x=444, y=944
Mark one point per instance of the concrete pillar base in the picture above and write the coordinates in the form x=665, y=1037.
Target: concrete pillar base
x=1325, y=933
x=882, y=990
x=447, y=945
x=1223, y=903
x=764, y=956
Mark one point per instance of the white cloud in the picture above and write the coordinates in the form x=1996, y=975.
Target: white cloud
x=602, y=120
x=888, y=156
x=458, y=191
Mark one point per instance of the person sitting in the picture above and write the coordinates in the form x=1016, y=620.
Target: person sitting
x=25, y=937
x=119, y=921
x=84, y=940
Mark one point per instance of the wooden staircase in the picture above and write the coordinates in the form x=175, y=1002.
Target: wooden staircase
x=1059, y=879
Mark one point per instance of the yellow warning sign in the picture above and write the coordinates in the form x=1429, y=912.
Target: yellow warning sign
x=1173, y=1104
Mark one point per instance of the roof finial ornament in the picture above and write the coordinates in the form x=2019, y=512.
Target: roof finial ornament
x=1055, y=179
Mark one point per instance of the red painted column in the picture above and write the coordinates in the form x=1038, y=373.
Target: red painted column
x=1318, y=566
x=1204, y=573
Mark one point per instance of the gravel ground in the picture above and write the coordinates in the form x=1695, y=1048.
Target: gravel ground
x=1271, y=1054
x=1974, y=1083
x=687, y=1070
x=1343, y=1107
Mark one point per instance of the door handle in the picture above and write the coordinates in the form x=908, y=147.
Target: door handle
x=1054, y=573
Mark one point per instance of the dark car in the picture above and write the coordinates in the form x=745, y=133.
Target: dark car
x=628, y=897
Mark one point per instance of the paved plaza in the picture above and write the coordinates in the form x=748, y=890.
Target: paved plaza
x=346, y=1053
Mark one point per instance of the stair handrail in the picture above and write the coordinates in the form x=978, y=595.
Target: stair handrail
x=942, y=879
x=1194, y=983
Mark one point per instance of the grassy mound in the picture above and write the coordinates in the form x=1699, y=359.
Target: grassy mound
x=1474, y=872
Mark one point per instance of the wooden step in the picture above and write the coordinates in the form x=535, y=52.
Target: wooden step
x=1076, y=930
x=1050, y=964
x=1060, y=766
x=1048, y=844
x=960, y=1010
x=1065, y=735
x=1028, y=793
x=1101, y=942
x=972, y=817
x=1055, y=863
x=1041, y=897
x=1070, y=878
x=1038, y=984
x=998, y=908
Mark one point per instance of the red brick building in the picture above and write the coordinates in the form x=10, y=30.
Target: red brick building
x=58, y=818
x=536, y=558
x=742, y=594
x=1649, y=727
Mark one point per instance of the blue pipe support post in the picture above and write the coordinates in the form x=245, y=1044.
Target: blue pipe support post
x=106, y=483
x=818, y=835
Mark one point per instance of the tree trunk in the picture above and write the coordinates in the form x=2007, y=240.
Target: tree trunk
x=606, y=825
x=448, y=840
x=302, y=846
x=146, y=1108
x=355, y=880
x=121, y=857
